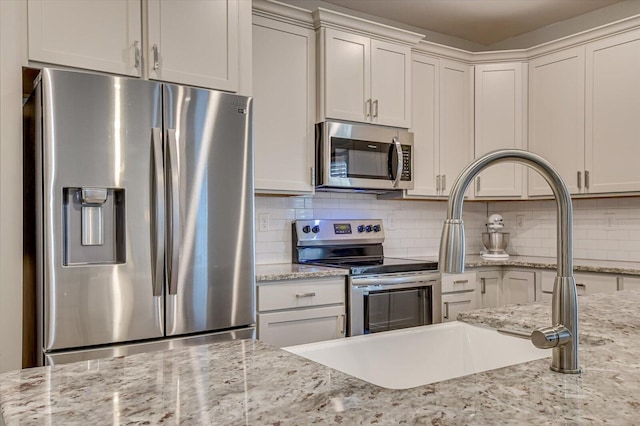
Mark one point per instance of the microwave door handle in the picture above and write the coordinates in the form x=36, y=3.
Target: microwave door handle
x=396, y=142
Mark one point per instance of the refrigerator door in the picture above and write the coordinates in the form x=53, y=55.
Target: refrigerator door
x=209, y=180
x=102, y=223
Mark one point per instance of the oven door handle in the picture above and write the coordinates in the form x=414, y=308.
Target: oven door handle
x=396, y=282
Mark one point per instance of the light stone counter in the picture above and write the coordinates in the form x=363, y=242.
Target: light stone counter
x=290, y=271
x=247, y=382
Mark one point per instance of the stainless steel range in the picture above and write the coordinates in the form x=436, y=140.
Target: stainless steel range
x=383, y=293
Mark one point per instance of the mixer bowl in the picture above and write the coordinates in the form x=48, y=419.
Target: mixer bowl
x=495, y=242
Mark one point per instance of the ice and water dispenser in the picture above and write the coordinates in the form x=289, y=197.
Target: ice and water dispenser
x=94, y=226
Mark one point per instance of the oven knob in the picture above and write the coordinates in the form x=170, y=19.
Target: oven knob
x=306, y=229
x=376, y=228
x=368, y=228
x=360, y=228
x=315, y=229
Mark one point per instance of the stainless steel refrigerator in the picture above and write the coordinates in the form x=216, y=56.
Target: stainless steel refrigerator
x=138, y=215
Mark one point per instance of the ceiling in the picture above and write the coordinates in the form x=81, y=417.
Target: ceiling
x=480, y=21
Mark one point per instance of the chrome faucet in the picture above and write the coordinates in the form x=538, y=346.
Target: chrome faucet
x=562, y=335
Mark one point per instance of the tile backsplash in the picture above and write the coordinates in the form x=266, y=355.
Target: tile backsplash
x=604, y=229
x=412, y=228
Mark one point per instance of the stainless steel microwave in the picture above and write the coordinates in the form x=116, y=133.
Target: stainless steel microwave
x=363, y=156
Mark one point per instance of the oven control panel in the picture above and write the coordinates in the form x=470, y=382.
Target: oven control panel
x=338, y=231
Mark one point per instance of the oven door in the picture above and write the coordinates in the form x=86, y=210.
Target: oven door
x=393, y=301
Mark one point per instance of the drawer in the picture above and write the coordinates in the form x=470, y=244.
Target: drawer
x=300, y=293
x=458, y=282
x=453, y=304
x=301, y=326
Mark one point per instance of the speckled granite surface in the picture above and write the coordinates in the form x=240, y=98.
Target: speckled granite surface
x=247, y=382
x=580, y=265
x=289, y=271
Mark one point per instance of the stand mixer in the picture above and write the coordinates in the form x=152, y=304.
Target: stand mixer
x=494, y=240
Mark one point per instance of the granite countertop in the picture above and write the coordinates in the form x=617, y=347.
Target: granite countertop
x=249, y=382
x=290, y=271
x=579, y=265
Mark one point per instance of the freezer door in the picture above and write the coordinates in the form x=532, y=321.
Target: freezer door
x=209, y=180
x=99, y=216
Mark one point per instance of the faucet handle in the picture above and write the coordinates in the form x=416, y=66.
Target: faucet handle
x=514, y=333
x=550, y=337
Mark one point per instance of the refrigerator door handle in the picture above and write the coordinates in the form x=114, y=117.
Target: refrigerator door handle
x=157, y=213
x=174, y=197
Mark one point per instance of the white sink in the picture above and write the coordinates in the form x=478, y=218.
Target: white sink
x=418, y=356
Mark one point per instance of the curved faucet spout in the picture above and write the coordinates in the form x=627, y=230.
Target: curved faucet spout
x=565, y=304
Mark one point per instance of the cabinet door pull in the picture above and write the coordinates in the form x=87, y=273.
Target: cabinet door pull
x=136, y=46
x=586, y=179
x=438, y=183
x=619, y=283
x=478, y=184
x=579, y=180
x=313, y=176
x=367, y=108
x=483, y=285
x=444, y=182
x=156, y=57
x=375, y=108
x=310, y=294
x=446, y=310
x=343, y=324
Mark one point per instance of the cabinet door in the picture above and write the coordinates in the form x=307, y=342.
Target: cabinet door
x=629, y=283
x=612, y=147
x=347, y=78
x=425, y=111
x=499, y=125
x=487, y=290
x=595, y=283
x=101, y=35
x=194, y=42
x=518, y=287
x=556, y=117
x=456, y=121
x=284, y=98
x=390, y=84
x=287, y=328
x=454, y=303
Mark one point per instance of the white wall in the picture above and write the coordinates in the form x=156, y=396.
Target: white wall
x=604, y=229
x=412, y=228
x=13, y=24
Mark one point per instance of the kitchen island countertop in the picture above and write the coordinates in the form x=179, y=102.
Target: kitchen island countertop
x=249, y=382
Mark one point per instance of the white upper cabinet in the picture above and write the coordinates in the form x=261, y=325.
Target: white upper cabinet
x=365, y=70
x=612, y=114
x=390, y=84
x=456, y=121
x=442, y=108
x=188, y=42
x=556, y=117
x=425, y=107
x=347, y=76
x=499, y=123
x=102, y=35
x=284, y=106
x=366, y=80
x=194, y=42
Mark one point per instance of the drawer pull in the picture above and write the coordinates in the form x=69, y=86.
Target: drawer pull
x=461, y=282
x=581, y=285
x=311, y=294
x=446, y=310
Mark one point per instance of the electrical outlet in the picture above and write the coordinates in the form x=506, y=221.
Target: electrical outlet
x=610, y=221
x=391, y=222
x=263, y=219
x=520, y=221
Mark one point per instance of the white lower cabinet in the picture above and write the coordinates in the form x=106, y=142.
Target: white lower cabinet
x=586, y=283
x=458, y=294
x=294, y=312
x=488, y=288
x=518, y=287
